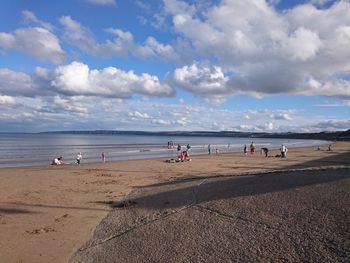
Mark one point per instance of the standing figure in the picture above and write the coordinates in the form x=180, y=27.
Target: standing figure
x=103, y=157
x=79, y=157
x=188, y=147
x=252, y=148
x=245, y=149
x=283, y=151
x=209, y=150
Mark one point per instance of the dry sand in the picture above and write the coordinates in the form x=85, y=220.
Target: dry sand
x=47, y=213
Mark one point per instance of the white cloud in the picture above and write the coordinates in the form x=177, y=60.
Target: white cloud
x=78, y=79
x=138, y=114
x=17, y=83
x=31, y=17
x=37, y=42
x=281, y=116
x=161, y=122
x=122, y=45
x=7, y=100
x=203, y=80
x=69, y=105
x=265, y=51
x=101, y=2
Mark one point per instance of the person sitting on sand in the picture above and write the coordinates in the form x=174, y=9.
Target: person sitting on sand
x=265, y=150
x=184, y=156
x=57, y=161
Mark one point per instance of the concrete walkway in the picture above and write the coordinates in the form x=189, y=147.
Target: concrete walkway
x=293, y=216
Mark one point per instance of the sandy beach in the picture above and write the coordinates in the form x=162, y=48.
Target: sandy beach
x=47, y=213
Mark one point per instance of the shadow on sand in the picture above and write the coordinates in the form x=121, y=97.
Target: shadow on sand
x=206, y=188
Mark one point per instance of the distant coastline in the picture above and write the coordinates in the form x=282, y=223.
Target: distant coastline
x=329, y=136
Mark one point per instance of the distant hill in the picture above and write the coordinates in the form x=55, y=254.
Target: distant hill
x=331, y=136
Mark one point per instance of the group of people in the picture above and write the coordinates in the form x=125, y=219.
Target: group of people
x=59, y=160
x=216, y=149
x=252, y=148
x=265, y=150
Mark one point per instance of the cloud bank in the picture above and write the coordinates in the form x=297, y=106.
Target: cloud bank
x=259, y=50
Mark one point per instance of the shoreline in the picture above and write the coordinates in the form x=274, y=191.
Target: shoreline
x=324, y=143
x=48, y=212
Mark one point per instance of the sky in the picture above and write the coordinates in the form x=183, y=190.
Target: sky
x=173, y=65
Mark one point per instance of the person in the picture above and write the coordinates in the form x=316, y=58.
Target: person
x=178, y=149
x=245, y=149
x=184, y=156
x=79, y=157
x=283, y=151
x=209, y=150
x=329, y=148
x=252, y=148
x=57, y=161
x=188, y=147
x=217, y=151
x=265, y=150
x=103, y=156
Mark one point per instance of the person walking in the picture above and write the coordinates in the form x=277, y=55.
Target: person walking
x=209, y=150
x=103, y=157
x=79, y=158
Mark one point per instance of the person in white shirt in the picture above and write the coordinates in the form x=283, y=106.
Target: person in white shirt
x=79, y=157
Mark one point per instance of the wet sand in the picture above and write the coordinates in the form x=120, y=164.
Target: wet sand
x=47, y=213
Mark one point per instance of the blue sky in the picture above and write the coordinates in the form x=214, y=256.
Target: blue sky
x=164, y=65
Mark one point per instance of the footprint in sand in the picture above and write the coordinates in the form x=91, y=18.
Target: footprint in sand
x=59, y=219
x=41, y=230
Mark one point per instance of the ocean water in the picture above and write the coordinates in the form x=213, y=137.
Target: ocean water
x=40, y=149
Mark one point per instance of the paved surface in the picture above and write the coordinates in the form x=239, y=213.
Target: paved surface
x=284, y=217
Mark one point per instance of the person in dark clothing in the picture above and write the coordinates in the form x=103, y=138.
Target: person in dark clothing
x=265, y=150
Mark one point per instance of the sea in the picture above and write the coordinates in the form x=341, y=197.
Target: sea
x=23, y=149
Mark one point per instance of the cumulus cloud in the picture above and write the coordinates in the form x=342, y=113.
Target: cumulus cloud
x=14, y=83
x=122, y=45
x=261, y=50
x=204, y=80
x=68, y=105
x=37, y=42
x=78, y=79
